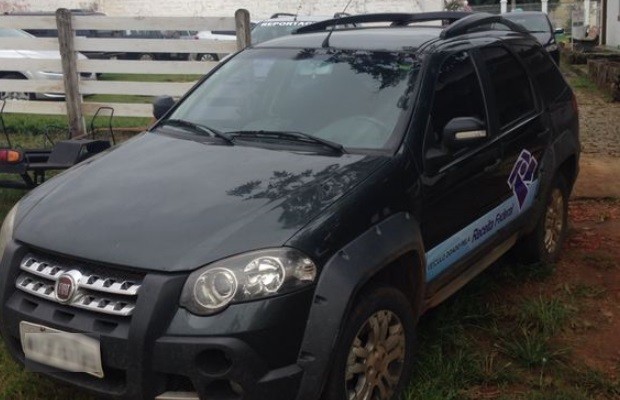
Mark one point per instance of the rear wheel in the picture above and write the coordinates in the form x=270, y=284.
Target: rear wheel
x=7, y=95
x=545, y=242
x=207, y=57
x=373, y=358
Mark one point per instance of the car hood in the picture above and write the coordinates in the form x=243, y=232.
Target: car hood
x=169, y=204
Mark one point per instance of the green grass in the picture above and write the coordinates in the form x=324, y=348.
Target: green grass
x=547, y=316
x=480, y=342
x=30, y=127
x=19, y=384
x=149, y=77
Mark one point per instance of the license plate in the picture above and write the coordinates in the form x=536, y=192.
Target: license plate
x=68, y=351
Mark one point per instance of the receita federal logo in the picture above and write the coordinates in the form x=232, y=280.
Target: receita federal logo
x=522, y=176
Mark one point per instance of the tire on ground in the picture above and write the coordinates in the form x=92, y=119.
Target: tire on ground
x=544, y=243
x=375, y=347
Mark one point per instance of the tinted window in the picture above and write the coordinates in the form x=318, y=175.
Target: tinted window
x=14, y=33
x=531, y=22
x=546, y=74
x=354, y=98
x=457, y=94
x=274, y=29
x=509, y=84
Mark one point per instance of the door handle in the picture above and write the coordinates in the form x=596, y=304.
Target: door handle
x=493, y=166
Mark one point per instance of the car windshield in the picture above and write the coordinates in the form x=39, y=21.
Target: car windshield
x=14, y=33
x=352, y=98
x=274, y=29
x=533, y=23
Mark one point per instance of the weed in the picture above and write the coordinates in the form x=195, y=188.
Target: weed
x=558, y=394
x=547, y=315
x=530, y=347
x=594, y=381
x=516, y=272
x=440, y=373
x=587, y=291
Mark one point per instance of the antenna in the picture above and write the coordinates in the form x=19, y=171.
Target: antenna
x=340, y=15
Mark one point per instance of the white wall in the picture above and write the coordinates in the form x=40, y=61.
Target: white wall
x=259, y=9
x=613, y=23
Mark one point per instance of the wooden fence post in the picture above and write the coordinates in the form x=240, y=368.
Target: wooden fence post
x=242, y=22
x=70, y=74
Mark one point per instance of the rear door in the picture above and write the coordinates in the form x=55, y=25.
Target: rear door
x=520, y=125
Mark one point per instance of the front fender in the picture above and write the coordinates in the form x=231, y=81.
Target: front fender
x=340, y=280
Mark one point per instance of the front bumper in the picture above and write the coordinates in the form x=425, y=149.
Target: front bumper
x=247, y=352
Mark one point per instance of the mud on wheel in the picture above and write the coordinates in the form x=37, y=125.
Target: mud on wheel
x=545, y=242
x=373, y=359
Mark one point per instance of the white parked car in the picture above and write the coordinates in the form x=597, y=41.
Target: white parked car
x=31, y=74
x=225, y=36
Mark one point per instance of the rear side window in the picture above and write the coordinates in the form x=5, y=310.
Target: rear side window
x=547, y=76
x=510, y=85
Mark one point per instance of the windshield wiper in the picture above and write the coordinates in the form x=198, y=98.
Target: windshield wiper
x=197, y=128
x=291, y=135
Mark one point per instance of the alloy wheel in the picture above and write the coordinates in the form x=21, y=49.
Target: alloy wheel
x=554, y=221
x=375, y=362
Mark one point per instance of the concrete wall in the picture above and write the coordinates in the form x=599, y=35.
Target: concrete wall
x=259, y=9
x=613, y=23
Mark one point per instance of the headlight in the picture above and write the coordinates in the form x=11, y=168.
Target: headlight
x=246, y=277
x=6, y=233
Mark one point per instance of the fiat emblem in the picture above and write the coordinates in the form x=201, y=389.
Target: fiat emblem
x=67, y=286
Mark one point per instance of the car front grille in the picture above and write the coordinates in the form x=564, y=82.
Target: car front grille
x=95, y=289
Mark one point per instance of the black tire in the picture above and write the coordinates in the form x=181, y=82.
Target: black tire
x=379, y=304
x=208, y=57
x=15, y=75
x=543, y=244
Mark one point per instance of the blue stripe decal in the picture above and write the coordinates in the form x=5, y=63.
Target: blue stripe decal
x=445, y=254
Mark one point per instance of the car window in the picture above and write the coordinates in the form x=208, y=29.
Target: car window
x=510, y=85
x=354, y=98
x=274, y=29
x=14, y=33
x=545, y=73
x=457, y=94
x=532, y=22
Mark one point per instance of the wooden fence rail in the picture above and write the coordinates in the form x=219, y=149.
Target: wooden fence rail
x=62, y=57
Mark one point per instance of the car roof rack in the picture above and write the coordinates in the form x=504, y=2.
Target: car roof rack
x=460, y=21
x=396, y=19
x=477, y=20
x=278, y=15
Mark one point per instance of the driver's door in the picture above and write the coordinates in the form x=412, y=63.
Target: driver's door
x=463, y=184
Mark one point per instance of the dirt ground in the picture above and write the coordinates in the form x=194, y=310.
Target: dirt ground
x=591, y=265
x=591, y=260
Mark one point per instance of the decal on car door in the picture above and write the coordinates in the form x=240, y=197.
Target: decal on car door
x=524, y=188
x=522, y=176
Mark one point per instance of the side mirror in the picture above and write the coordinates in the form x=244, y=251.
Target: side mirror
x=558, y=31
x=463, y=131
x=162, y=105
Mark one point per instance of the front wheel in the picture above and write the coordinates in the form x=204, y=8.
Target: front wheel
x=374, y=356
x=545, y=242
